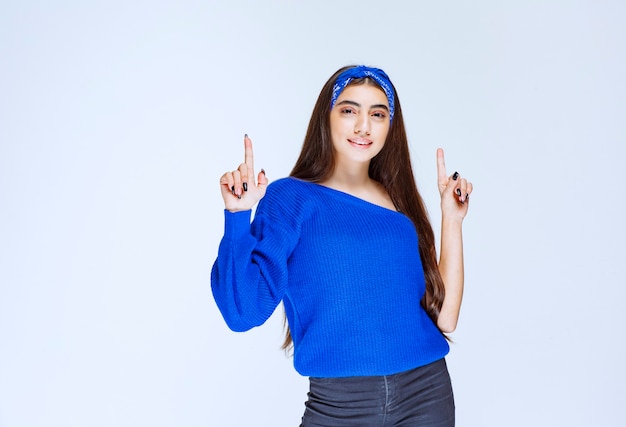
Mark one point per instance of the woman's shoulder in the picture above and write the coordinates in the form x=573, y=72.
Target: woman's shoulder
x=288, y=183
x=288, y=196
x=290, y=190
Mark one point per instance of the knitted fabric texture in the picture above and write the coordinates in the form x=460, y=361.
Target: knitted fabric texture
x=348, y=272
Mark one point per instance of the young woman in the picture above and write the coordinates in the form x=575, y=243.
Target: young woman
x=346, y=244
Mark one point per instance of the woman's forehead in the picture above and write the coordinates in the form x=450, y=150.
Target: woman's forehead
x=366, y=91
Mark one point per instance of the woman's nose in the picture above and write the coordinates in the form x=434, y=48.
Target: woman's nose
x=362, y=125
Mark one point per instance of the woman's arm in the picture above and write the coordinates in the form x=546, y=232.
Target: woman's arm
x=451, y=270
x=454, y=192
x=249, y=275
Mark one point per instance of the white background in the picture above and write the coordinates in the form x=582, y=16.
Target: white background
x=117, y=119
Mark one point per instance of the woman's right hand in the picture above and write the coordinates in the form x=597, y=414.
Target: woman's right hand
x=239, y=189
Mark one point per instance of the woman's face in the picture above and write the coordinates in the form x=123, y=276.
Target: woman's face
x=359, y=123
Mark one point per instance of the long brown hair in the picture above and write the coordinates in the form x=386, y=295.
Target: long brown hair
x=391, y=167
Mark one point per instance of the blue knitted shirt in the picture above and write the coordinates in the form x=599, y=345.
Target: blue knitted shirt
x=349, y=275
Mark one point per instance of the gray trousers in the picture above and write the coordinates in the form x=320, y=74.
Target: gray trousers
x=419, y=397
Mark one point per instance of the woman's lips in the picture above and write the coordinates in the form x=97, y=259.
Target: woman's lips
x=360, y=141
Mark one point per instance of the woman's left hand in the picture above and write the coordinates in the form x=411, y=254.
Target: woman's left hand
x=454, y=190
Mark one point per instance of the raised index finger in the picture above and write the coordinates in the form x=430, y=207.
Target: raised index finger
x=249, y=156
x=442, y=177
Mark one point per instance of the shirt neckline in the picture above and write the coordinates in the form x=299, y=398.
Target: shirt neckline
x=346, y=195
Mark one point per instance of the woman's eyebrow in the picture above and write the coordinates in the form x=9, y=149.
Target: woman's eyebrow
x=356, y=104
x=345, y=101
x=379, y=106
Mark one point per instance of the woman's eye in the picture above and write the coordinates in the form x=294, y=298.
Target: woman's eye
x=379, y=114
x=347, y=110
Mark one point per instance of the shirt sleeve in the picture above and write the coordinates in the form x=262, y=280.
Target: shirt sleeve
x=250, y=274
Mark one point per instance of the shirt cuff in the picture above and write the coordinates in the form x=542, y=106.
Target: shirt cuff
x=236, y=224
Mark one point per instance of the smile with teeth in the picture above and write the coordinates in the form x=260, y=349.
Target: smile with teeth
x=361, y=141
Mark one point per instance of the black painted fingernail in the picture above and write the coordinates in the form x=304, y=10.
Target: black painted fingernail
x=455, y=176
x=263, y=171
x=245, y=186
x=245, y=136
x=232, y=189
x=458, y=191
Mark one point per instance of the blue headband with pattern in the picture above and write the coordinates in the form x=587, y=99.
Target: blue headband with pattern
x=361, y=72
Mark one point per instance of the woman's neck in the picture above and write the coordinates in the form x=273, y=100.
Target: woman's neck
x=355, y=178
x=358, y=183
